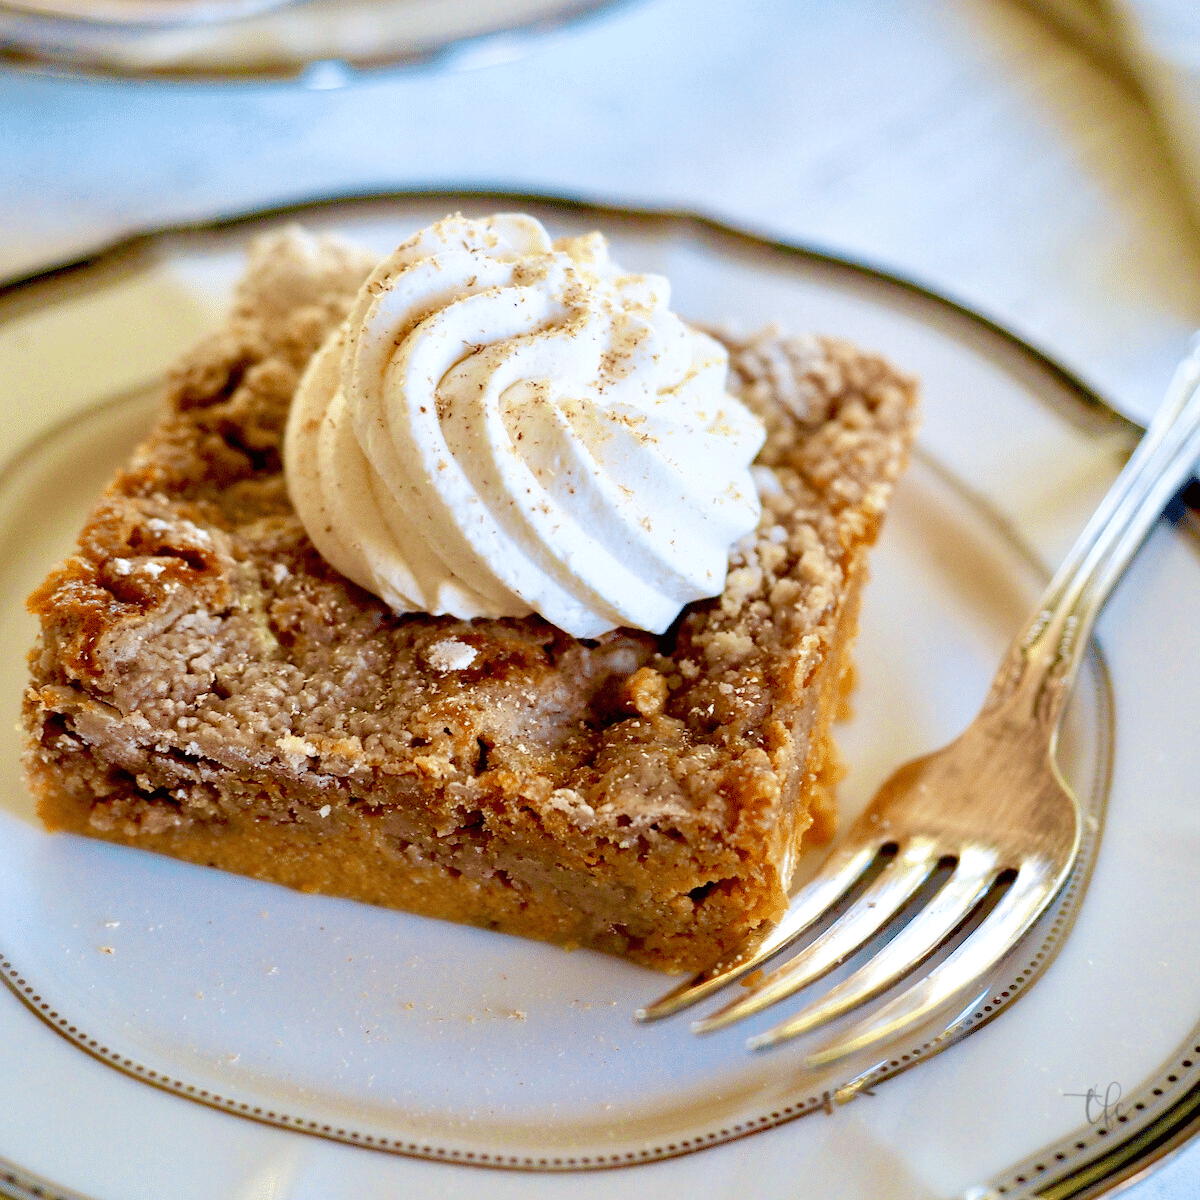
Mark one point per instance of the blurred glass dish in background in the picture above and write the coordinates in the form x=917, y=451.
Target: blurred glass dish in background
x=320, y=41
x=143, y=12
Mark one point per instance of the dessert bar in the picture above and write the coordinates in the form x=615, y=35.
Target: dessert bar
x=206, y=685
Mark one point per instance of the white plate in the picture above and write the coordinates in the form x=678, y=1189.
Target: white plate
x=378, y=1028
x=324, y=43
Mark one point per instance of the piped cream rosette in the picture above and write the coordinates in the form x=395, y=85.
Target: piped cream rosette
x=505, y=426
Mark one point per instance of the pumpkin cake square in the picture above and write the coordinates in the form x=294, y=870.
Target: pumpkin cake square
x=206, y=685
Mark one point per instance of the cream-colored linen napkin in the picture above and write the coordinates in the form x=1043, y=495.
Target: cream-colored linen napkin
x=1158, y=43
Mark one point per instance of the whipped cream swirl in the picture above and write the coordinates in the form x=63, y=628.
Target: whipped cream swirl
x=504, y=425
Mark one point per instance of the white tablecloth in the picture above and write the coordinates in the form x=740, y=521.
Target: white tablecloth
x=970, y=145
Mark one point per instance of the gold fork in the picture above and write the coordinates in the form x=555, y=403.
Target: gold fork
x=992, y=803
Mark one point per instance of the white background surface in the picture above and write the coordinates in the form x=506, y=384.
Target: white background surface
x=965, y=144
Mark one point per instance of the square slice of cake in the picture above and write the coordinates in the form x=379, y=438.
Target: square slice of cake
x=206, y=685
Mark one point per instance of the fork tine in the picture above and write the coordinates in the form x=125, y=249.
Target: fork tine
x=1035, y=886
x=952, y=1028
x=843, y=870
x=888, y=893
x=957, y=899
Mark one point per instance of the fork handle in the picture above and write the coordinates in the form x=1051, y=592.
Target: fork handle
x=1040, y=667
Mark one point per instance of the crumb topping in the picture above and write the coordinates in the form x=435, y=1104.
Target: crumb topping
x=451, y=655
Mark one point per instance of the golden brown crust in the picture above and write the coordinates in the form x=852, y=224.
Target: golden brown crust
x=206, y=684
